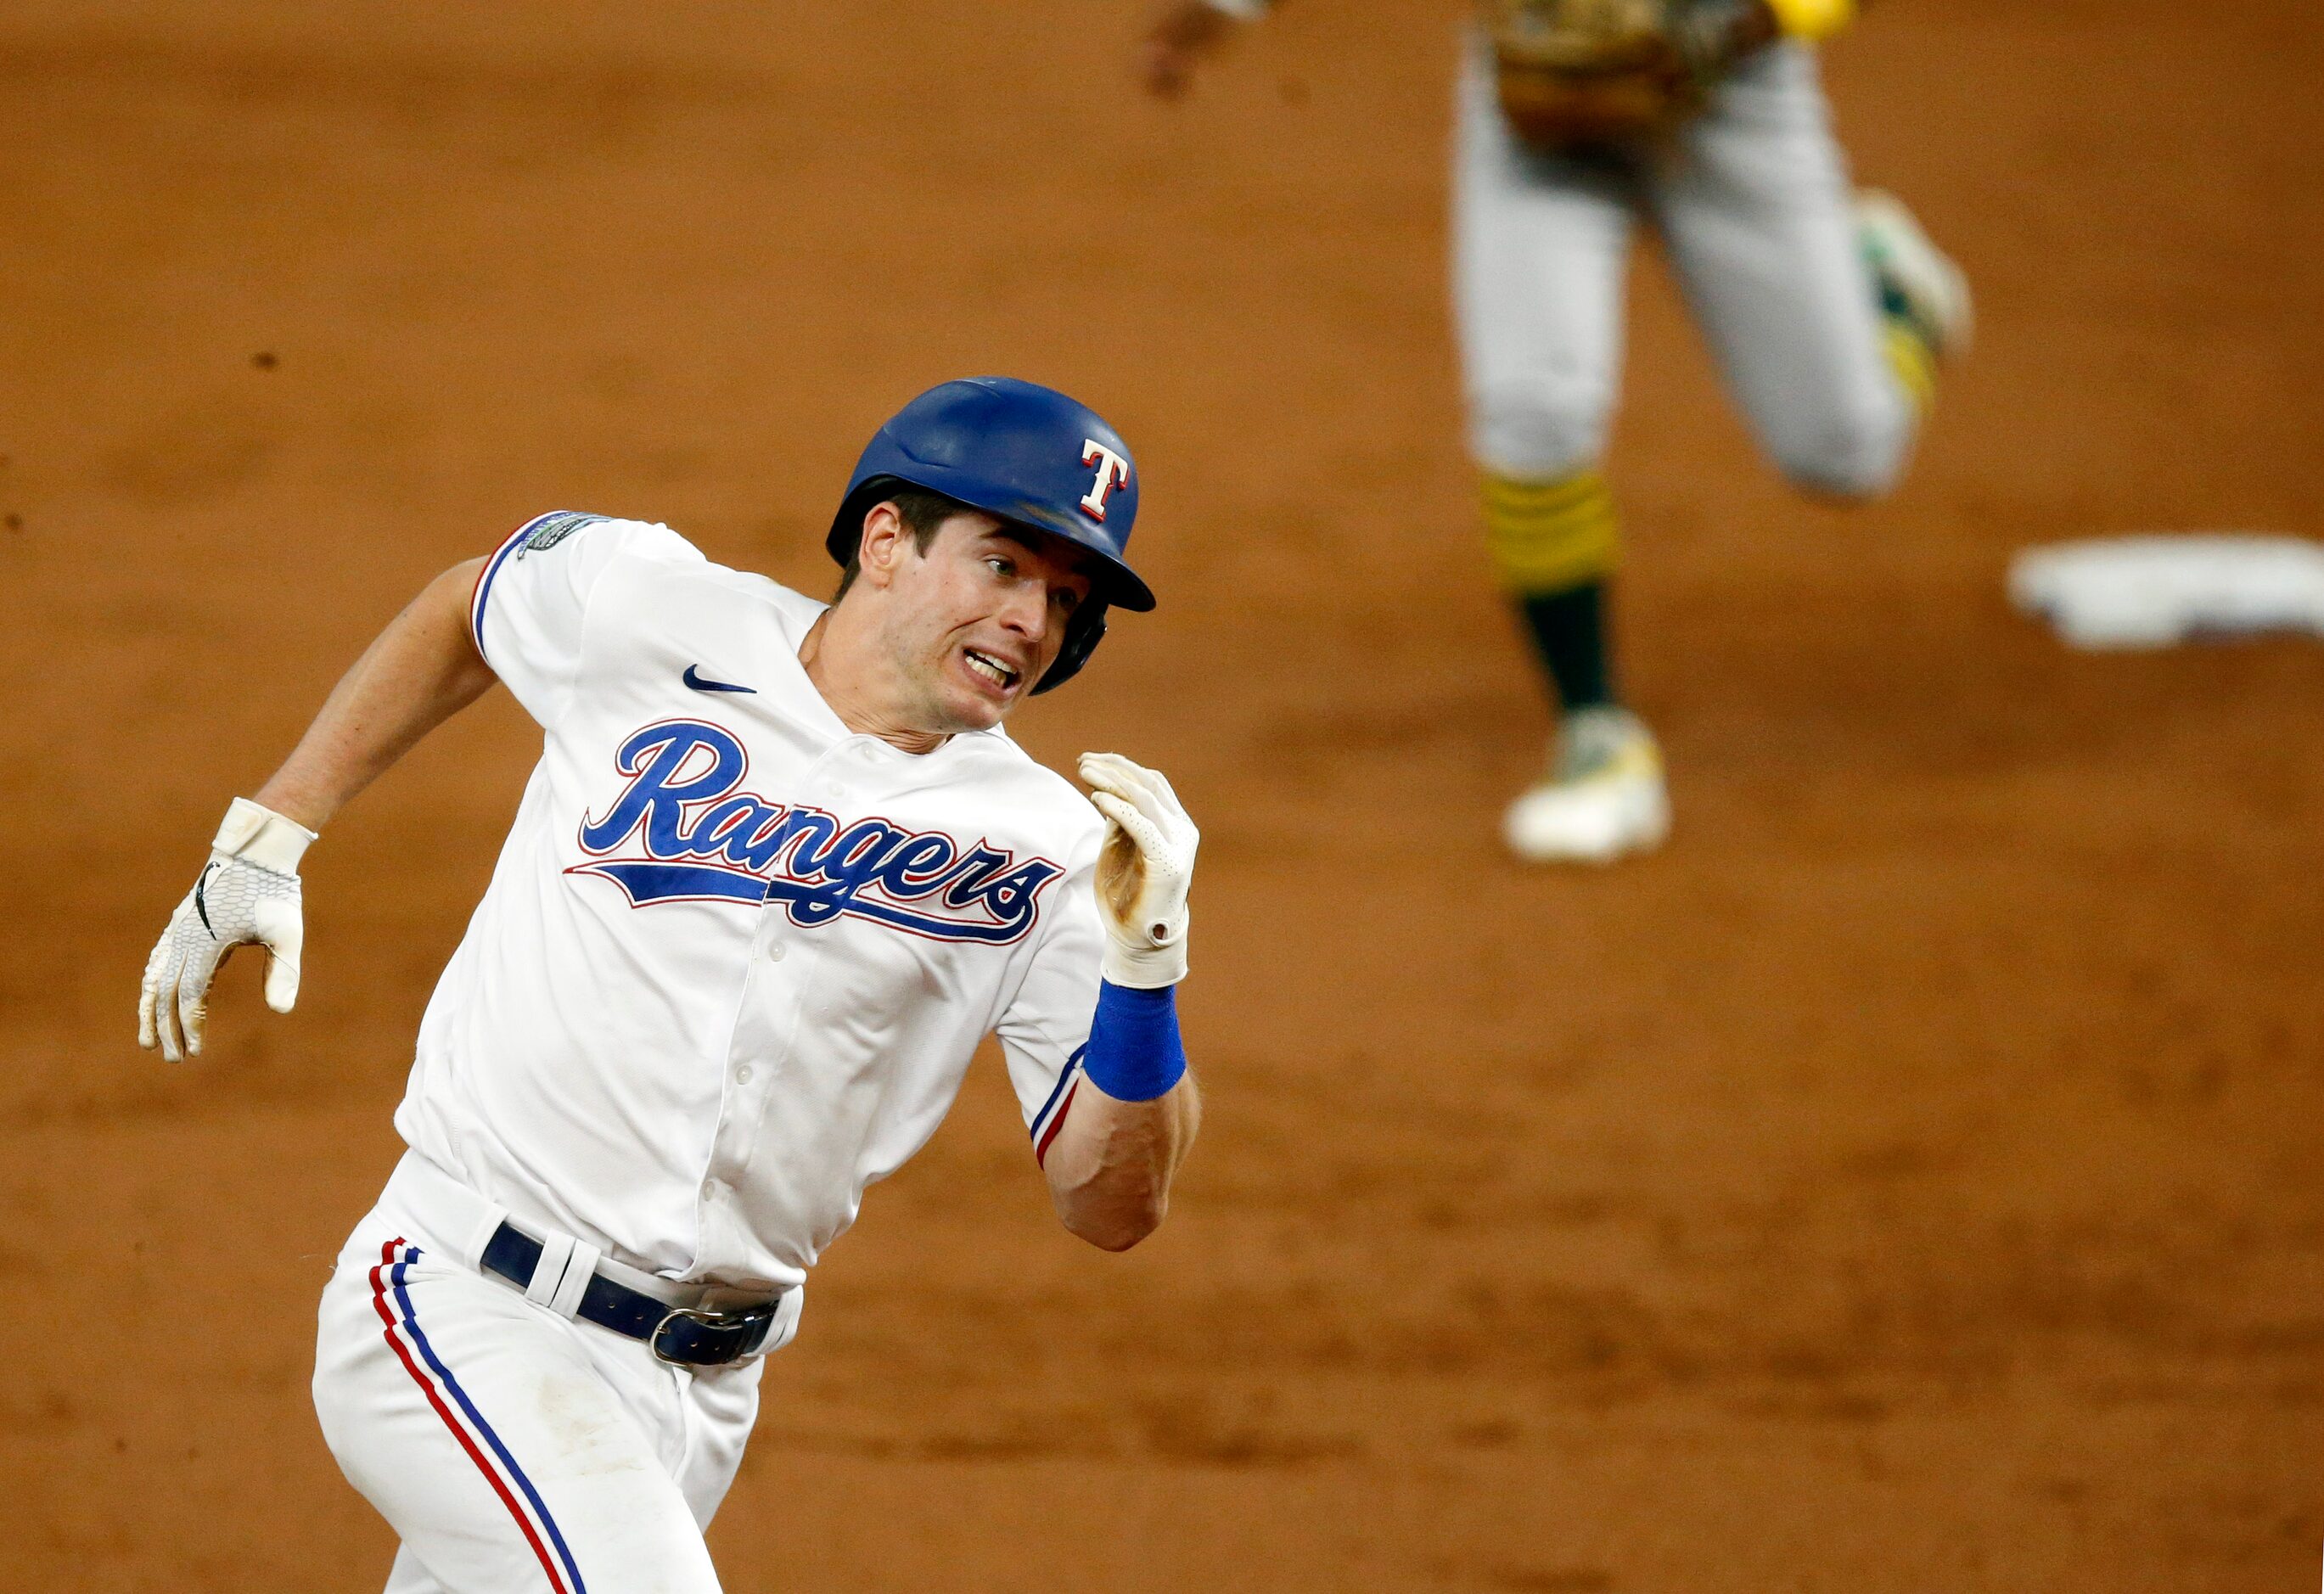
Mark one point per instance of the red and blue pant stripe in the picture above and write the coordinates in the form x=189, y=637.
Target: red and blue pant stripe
x=475, y=1436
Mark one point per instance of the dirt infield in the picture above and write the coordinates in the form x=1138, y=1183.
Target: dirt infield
x=1905, y=1182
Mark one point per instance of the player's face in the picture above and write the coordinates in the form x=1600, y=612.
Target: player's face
x=983, y=615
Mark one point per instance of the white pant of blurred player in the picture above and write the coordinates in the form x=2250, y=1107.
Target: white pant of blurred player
x=509, y=1447
x=1824, y=314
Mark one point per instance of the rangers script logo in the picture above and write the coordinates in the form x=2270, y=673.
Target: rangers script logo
x=685, y=833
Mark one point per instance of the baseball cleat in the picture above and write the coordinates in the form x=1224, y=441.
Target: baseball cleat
x=1603, y=800
x=1917, y=280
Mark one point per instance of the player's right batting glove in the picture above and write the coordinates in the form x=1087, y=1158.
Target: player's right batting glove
x=1144, y=869
x=247, y=893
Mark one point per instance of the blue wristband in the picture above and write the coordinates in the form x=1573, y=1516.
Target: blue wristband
x=1135, y=1053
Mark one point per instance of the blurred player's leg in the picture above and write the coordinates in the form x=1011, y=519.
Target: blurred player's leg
x=1805, y=302
x=1924, y=300
x=1540, y=245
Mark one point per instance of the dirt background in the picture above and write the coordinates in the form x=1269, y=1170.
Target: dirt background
x=1907, y=1181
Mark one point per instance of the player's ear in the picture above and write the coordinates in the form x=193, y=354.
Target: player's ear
x=885, y=538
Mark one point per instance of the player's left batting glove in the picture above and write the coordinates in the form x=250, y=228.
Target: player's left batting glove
x=248, y=892
x=1143, y=870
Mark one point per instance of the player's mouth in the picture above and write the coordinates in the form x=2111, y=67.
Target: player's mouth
x=1003, y=676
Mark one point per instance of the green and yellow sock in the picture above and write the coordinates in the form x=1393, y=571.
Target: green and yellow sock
x=1554, y=545
x=1909, y=356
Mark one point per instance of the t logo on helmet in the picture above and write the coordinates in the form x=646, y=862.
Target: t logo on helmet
x=1112, y=471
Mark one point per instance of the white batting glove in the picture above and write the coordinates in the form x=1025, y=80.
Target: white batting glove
x=1143, y=870
x=248, y=892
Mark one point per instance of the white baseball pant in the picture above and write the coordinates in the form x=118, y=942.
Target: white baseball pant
x=1754, y=203
x=512, y=1448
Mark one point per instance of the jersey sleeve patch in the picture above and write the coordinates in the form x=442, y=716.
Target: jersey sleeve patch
x=538, y=535
x=552, y=528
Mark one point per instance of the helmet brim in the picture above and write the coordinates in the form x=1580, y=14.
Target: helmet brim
x=1114, y=583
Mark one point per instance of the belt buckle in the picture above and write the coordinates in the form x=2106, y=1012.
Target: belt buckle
x=692, y=1314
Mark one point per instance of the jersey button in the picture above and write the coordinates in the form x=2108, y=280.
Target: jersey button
x=710, y=1190
x=743, y=1074
x=775, y=952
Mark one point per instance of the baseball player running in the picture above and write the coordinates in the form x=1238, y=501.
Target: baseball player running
x=1828, y=311
x=777, y=871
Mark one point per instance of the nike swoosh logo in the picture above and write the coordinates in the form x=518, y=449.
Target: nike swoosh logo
x=702, y=683
x=201, y=904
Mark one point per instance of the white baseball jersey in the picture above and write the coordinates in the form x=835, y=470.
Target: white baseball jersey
x=735, y=958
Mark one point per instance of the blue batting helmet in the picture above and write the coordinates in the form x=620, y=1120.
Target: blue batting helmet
x=1024, y=454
